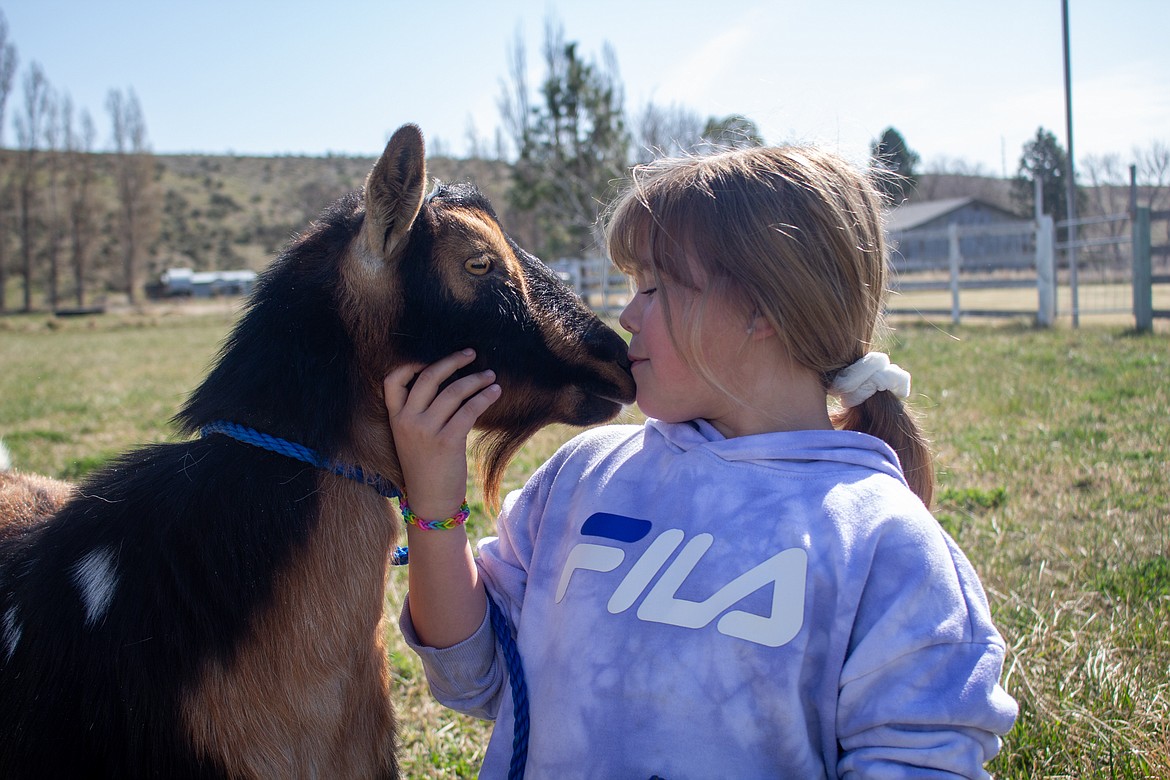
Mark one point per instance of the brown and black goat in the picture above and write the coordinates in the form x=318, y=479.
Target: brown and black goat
x=210, y=608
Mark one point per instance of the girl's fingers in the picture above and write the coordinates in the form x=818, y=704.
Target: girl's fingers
x=451, y=412
x=430, y=427
x=430, y=379
x=463, y=419
x=395, y=387
x=399, y=390
x=451, y=404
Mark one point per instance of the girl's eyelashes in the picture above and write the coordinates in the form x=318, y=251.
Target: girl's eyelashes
x=649, y=291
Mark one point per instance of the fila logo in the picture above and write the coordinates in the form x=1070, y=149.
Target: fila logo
x=785, y=572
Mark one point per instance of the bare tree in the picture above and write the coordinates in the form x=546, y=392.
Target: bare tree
x=666, y=131
x=476, y=146
x=134, y=179
x=1105, y=195
x=30, y=127
x=957, y=166
x=1105, y=175
x=7, y=73
x=515, y=108
x=54, y=213
x=79, y=178
x=1153, y=176
x=1153, y=171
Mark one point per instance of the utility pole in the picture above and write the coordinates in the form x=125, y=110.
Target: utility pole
x=1070, y=182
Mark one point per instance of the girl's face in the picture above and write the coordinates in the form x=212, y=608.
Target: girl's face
x=668, y=388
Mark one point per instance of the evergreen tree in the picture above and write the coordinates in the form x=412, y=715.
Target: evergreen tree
x=1046, y=159
x=572, y=145
x=895, y=163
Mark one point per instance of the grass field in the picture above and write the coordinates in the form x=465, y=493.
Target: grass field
x=1097, y=304
x=1052, y=450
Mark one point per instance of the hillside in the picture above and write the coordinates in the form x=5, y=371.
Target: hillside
x=219, y=212
x=212, y=212
x=222, y=212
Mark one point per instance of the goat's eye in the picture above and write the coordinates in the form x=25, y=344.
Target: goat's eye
x=478, y=265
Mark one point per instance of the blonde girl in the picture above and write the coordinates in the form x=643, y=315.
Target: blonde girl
x=750, y=584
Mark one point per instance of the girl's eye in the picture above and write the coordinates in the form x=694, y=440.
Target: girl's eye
x=649, y=291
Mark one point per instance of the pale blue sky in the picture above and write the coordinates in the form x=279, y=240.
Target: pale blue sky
x=961, y=80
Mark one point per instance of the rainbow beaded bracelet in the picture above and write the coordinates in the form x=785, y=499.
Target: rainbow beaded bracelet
x=410, y=518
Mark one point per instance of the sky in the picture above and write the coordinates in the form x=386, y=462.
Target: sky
x=965, y=83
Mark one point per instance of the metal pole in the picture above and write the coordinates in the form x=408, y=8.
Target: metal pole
x=1038, y=192
x=1070, y=184
x=955, y=260
x=1132, y=191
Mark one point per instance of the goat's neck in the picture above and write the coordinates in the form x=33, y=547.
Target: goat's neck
x=312, y=675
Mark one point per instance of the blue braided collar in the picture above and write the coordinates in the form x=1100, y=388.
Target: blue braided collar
x=301, y=453
x=385, y=487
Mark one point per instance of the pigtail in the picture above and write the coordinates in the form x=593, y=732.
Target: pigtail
x=885, y=416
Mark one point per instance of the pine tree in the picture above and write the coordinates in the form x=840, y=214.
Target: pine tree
x=895, y=163
x=572, y=146
x=1046, y=159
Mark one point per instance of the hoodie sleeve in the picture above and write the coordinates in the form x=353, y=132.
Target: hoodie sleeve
x=467, y=677
x=471, y=677
x=919, y=692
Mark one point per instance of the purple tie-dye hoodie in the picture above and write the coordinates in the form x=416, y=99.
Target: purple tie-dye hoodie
x=690, y=606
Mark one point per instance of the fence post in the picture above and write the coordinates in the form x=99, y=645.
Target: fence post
x=1143, y=283
x=955, y=260
x=1045, y=271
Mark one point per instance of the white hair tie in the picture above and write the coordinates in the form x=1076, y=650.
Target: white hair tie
x=867, y=376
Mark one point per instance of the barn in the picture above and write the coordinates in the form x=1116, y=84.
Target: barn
x=989, y=236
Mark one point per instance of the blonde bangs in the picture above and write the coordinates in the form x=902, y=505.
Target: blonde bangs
x=626, y=229
x=652, y=226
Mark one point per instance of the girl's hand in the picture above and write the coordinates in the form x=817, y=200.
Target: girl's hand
x=431, y=428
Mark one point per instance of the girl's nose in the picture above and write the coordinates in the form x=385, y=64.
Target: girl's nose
x=626, y=318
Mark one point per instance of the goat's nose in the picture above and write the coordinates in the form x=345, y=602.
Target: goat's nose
x=605, y=343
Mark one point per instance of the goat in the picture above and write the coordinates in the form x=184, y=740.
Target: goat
x=211, y=608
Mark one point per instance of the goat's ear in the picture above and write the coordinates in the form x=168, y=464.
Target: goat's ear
x=395, y=191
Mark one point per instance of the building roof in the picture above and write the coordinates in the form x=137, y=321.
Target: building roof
x=914, y=215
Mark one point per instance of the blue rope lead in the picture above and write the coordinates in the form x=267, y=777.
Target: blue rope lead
x=518, y=686
x=400, y=557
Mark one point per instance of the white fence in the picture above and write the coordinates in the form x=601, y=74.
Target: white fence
x=959, y=258
x=1111, y=270
x=1105, y=270
x=603, y=288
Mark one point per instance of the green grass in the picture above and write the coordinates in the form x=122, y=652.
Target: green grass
x=1052, y=451
x=75, y=392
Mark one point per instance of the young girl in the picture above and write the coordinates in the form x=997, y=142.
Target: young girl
x=750, y=584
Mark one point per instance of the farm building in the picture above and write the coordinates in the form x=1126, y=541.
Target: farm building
x=989, y=236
